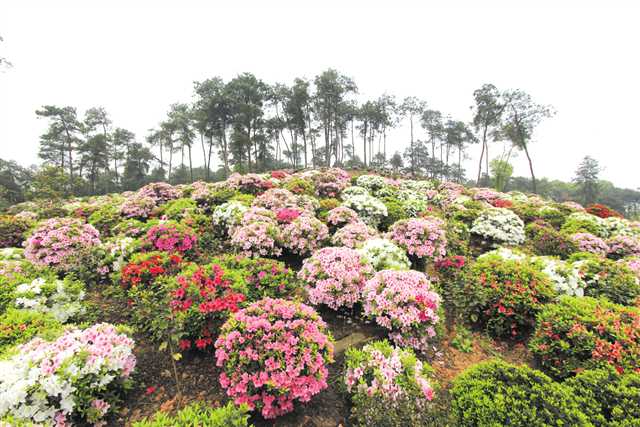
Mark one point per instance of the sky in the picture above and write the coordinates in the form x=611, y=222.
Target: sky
x=136, y=58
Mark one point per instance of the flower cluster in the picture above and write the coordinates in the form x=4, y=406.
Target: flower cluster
x=287, y=215
x=335, y=277
x=369, y=209
x=421, y=237
x=275, y=198
x=77, y=376
x=273, y=353
x=353, y=235
x=12, y=230
x=61, y=243
x=621, y=246
x=341, y=216
x=383, y=254
x=602, y=211
x=137, y=207
x=500, y=226
x=566, y=277
x=304, y=234
x=201, y=296
x=330, y=182
x=404, y=303
x=228, y=215
x=159, y=192
x=382, y=371
x=587, y=242
x=371, y=182
x=144, y=268
x=259, y=238
x=170, y=237
x=250, y=183
x=60, y=298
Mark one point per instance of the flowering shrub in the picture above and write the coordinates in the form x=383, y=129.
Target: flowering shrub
x=304, y=234
x=380, y=371
x=602, y=211
x=353, y=235
x=263, y=277
x=488, y=195
x=368, y=208
x=255, y=214
x=330, y=182
x=60, y=243
x=582, y=333
x=273, y=353
x=500, y=226
x=201, y=298
x=60, y=298
x=105, y=219
x=383, y=254
x=413, y=202
x=545, y=240
x=298, y=185
x=496, y=393
x=178, y=209
x=341, y=216
x=171, y=237
x=159, y=192
x=587, y=242
x=259, y=238
x=228, y=215
x=505, y=295
x=20, y=326
x=371, y=182
x=275, y=198
x=144, y=268
x=335, y=277
x=581, y=222
x=354, y=190
x=197, y=414
x=403, y=302
x=609, y=279
x=137, y=207
x=622, y=246
x=79, y=377
x=421, y=237
x=250, y=183
x=129, y=228
x=308, y=203
x=287, y=215
x=566, y=278
x=12, y=230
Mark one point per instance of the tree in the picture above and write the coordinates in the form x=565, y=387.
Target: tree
x=62, y=135
x=136, y=167
x=521, y=116
x=396, y=162
x=412, y=107
x=501, y=171
x=120, y=141
x=51, y=183
x=431, y=121
x=586, y=180
x=487, y=114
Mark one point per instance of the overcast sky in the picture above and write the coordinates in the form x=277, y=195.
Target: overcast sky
x=582, y=58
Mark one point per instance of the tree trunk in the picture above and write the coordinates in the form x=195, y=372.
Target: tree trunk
x=484, y=143
x=190, y=164
x=533, y=177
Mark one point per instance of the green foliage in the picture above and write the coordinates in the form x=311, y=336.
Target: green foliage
x=612, y=280
x=457, y=238
x=583, y=223
x=20, y=326
x=495, y=393
x=105, y=219
x=463, y=340
x=395, y=212
x=178, y=209
x=579, y=333
x=199, y=415
x=608, y=398
x=505, y=295
x=469, y=212
x=299, y=185
x=13, y=231
x=246, y=199
x=544, y=240
x=501, y=171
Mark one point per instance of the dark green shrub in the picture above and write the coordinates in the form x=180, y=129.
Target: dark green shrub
x=469, y=212
x=178, y=209
x=458, y=237
x=105, y=219
x=611, y=280
x=505, y=295
x=608, y=398
x=199, y=415
x=583, y=223
x=395, y=212
x=578, y=333
x=495, y=393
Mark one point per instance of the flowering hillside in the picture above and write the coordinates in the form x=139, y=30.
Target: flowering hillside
x=319, y=298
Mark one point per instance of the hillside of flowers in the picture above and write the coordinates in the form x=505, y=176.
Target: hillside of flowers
x=318, y=298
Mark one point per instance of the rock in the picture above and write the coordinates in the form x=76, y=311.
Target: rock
x=350, y=341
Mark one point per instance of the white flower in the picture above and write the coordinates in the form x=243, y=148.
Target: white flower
x=499, y=225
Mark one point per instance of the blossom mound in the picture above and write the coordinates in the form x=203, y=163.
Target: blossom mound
x=421, y=237
x=60, y=243
x=404, y=303
x=170, y=237
x=77, y=376
x=273, y=353
x=500, y=226
x=335, y=277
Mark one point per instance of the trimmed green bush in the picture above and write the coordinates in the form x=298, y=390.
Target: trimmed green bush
x=20, y=326
x=199, y=415
x=495, y=393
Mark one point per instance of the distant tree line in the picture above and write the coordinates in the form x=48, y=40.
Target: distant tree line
x=248, y=125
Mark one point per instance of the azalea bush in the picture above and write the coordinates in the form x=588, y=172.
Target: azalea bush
x=80, y=378
x=404, y=303
x=259, y=238
x=545, y=240
x=621, y=246
x=587, y=242
x=353, y=235
x=198, y=414
x=567, y=278
x=227, y=216
x=62, y=299
x=582, y=222
x=609, y=279
x=137, y=207
x=13, y=230
x=170, y=237
x=335, y=277
x=602, y=211
x=145, y=268
x=496, y=393
x=383, y=254
x=341, y=216
x=159, y=192
x=275, y=198
x=20, y=326
x=499, y=226
x=369, y=209
x=304, y=234
x=372, y=183
x=393, y=376
x=421, y=237
x=581, y=333
x=273, y=354
x=505, y=295
x=61, y=243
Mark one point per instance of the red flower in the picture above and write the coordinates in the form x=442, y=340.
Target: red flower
x=185, y=344
x=150, y=390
